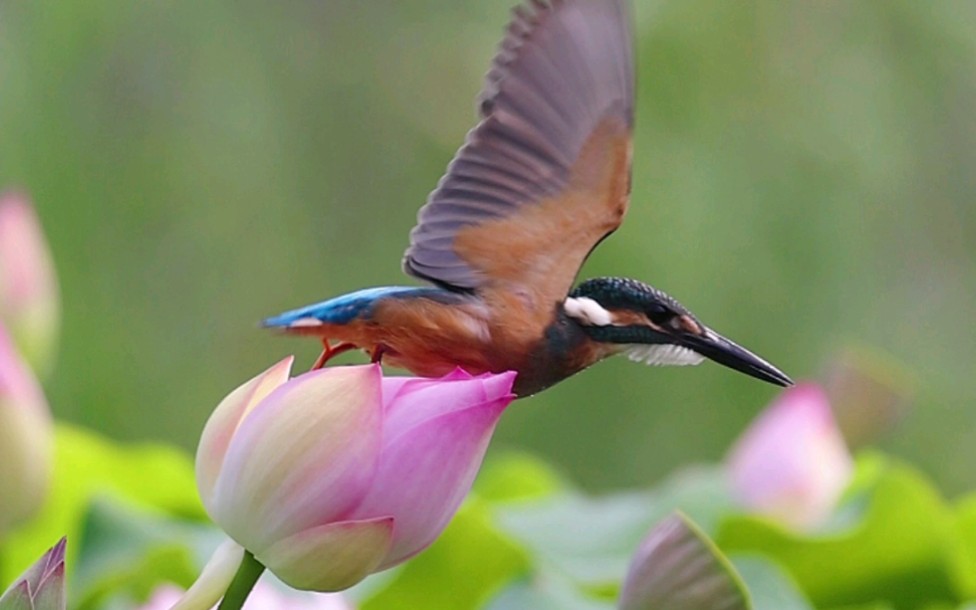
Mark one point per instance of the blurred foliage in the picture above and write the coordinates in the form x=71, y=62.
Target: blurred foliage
x=89, y=469
x=474, y=558
x=900, y=546
x=893, y=542
x=802, y=178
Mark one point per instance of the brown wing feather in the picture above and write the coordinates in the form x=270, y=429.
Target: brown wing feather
x=536, y=252
x=545, y=175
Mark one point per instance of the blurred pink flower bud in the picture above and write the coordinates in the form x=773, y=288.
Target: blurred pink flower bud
x=792, y=463
x=26, y=439
x=340, y=472
x=264, y=596
x=41, y=587
x=29, y=304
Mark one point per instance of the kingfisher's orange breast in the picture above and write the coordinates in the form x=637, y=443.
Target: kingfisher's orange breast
x=432, y=340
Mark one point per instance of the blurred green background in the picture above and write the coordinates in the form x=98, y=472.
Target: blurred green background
x=804, y=178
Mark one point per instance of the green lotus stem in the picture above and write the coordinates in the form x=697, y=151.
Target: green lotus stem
x=245, y=579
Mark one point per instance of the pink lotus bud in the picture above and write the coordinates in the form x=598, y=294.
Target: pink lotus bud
x=29, y=304
x=792, y=463
x=41, y=587
x=339, y=473
x=26, y=439
x=264, y=596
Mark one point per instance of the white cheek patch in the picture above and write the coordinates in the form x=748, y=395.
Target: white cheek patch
x=663, y=355
x=587, y=311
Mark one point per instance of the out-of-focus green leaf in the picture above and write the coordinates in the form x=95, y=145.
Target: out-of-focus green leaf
x=937, y=606
x=677, y=567
x=470, y=561
x=88, y=466
x=770, y=587
x=516, y=476
x=131, y=551
x=545, y=593
x=856, y=499
x=899, y=551
x=591, y=539
x=964, y=551
x=588, y=539
x=155, y=566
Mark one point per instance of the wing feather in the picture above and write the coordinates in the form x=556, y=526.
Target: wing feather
x=545, y=174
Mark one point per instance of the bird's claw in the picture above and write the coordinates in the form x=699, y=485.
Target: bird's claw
x=329, y=352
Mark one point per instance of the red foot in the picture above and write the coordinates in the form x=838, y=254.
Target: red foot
x=377, y=355
x=330, y=352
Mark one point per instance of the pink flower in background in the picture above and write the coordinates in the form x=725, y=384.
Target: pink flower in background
x=792, y=463
x=264, y=597
x=41, y=587
x=29, y=303
x=341, y=472
x=26, y=439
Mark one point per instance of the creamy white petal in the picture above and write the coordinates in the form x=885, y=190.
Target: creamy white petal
x=214, y=579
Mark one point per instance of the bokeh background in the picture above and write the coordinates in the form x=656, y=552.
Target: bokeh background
x=804, y=180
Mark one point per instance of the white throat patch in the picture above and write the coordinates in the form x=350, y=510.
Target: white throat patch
x=662, y=355
x=586, y=311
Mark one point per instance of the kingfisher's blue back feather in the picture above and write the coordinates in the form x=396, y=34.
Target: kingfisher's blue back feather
x=343, y=309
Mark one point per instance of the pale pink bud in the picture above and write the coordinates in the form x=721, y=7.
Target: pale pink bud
x=41, y=587
x=792, y=463
x=29, y=303
x=26, y=439
x=339, y=473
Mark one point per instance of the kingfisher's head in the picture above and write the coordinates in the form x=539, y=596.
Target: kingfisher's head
x=651, y=327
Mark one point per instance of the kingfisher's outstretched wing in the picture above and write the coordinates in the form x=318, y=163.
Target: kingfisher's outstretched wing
x=545, y=175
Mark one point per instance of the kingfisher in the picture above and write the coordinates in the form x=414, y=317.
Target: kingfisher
x=539, y=182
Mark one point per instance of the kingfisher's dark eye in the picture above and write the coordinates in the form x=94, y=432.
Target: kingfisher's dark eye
x=659, y=314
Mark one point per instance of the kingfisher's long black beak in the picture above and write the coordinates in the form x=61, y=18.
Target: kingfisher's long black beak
x=652, y=327
x=719, y=349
